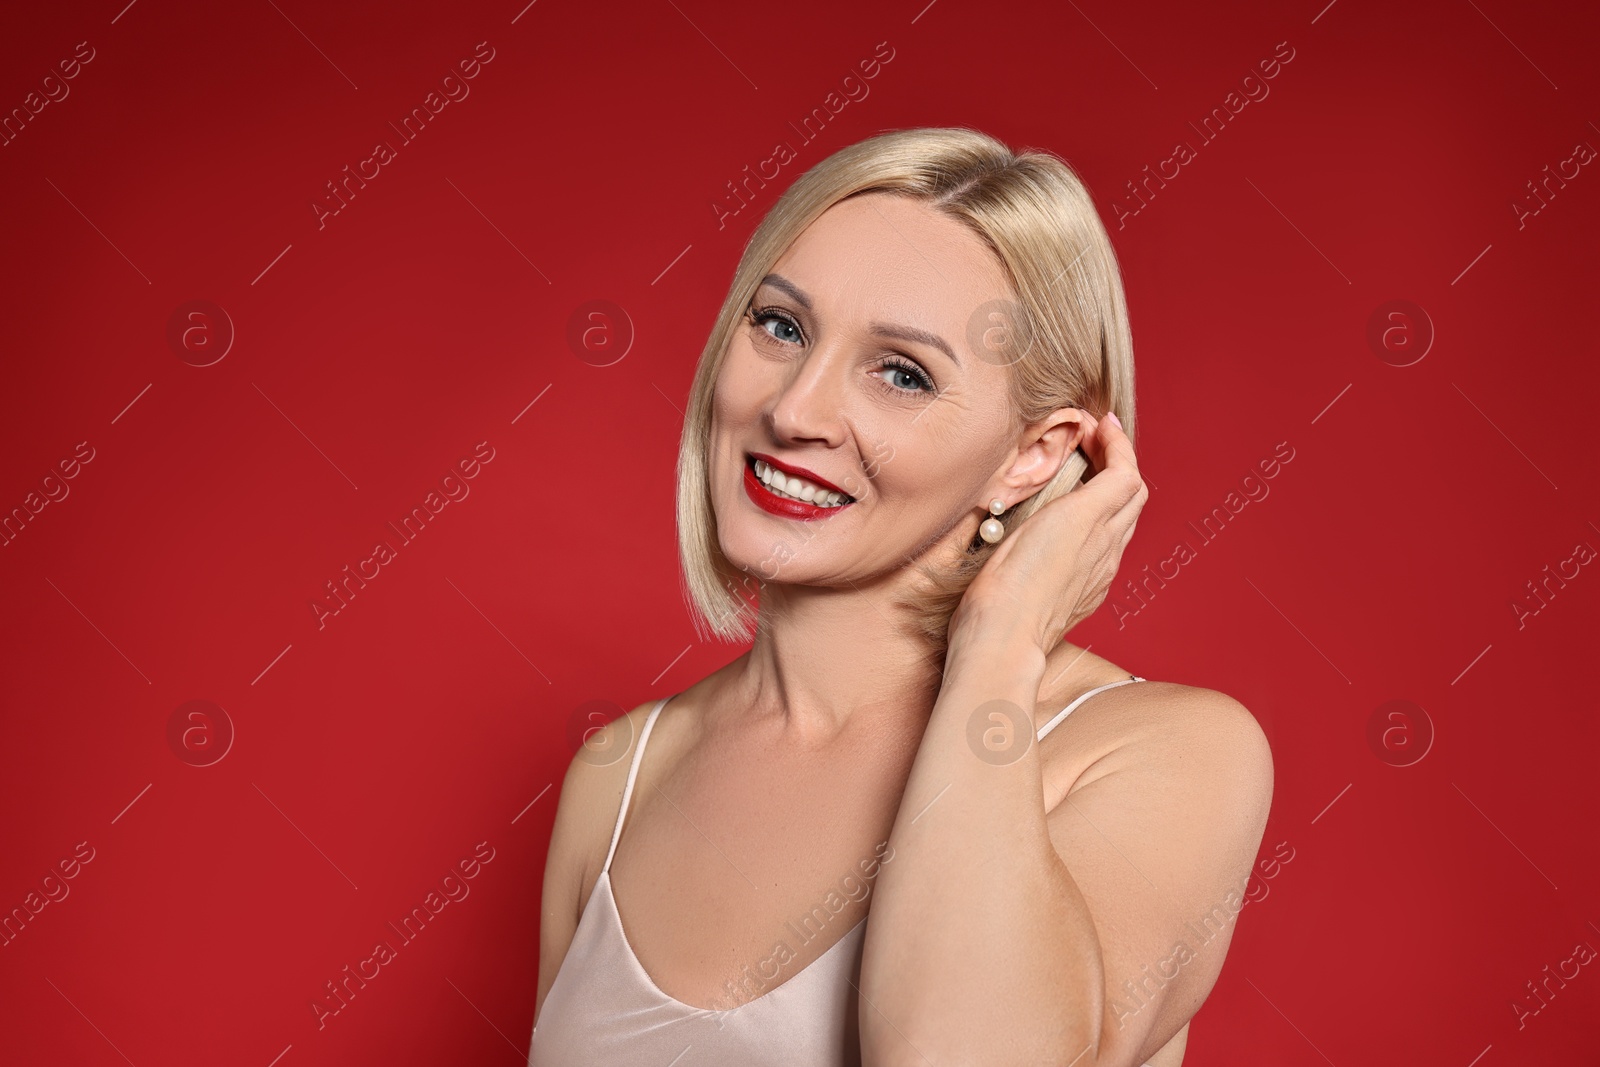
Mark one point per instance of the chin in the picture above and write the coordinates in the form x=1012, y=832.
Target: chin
x=768, y=555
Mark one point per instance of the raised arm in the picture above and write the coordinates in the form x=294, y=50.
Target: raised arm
x=1006, y=932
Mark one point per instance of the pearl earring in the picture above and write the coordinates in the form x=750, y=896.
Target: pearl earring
x=992, y=529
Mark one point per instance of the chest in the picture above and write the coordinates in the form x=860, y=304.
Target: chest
x=733, y=875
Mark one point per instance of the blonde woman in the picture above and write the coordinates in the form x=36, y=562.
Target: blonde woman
x=898, y=830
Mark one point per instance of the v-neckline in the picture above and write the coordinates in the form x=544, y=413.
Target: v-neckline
x=616, y=918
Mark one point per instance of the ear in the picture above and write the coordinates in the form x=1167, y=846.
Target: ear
x=1042, y=447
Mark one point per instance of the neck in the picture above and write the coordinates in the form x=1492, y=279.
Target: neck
x=823, y=656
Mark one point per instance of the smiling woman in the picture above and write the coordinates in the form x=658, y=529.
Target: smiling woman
x=903, y=477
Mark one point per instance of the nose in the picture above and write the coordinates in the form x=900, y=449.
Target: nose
x=809, y=406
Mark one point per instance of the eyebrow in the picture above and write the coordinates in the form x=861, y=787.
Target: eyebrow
x=878, y=329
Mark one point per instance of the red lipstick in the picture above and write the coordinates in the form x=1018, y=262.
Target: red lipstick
x=790, y=468
x=771, y=502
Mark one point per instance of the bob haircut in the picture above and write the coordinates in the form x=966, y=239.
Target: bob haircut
x=1065, y=332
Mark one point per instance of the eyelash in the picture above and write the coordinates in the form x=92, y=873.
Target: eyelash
x=755, y=316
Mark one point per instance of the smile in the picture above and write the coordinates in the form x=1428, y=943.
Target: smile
x=790, y=495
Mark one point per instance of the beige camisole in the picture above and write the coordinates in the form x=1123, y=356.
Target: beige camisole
x=603, y=1010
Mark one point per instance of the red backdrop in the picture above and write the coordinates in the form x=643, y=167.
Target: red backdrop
x=224, y=384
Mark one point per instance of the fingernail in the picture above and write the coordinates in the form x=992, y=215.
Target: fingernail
x=1112, y=415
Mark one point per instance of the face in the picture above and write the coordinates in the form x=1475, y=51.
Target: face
x=853, y=372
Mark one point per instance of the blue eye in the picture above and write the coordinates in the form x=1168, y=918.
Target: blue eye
x=765, y=315
x=903, y=369
x=906, y=377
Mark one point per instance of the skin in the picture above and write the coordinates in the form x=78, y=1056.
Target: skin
x=771, y=779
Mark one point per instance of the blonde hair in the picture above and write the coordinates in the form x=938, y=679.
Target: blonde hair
x=1034, y=213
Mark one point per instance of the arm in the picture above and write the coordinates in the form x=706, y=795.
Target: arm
x=1004, y=933
x=1012, y=916
x=558, y=903
x=586, y=813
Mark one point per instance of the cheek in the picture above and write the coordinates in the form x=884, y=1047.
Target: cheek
x=935, y=470
x=739, y=390
x=736, y=404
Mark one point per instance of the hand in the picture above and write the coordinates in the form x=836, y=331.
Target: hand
x=1054, y=569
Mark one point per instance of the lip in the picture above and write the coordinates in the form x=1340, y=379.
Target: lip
x=783, y=507
x=790, y=468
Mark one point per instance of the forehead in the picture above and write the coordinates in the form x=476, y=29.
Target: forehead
x=890, y=258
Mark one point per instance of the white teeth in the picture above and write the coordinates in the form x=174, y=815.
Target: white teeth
x=796, y=488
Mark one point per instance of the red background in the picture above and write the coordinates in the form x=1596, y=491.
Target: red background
x=432, y=713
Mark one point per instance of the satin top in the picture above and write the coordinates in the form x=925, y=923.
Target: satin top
x=603, y=1010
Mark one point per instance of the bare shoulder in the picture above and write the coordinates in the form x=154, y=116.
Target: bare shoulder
x=586, y=814
x=1182, y=724
x=1159, y=808
x=586, y=811
x=1190, y=737
x=1198, y=716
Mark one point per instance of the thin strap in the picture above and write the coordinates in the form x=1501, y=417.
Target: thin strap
x=1051, y=725
x=627, y=790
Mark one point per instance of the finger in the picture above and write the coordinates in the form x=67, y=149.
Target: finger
x=1109, y=449
x=1101, y=440
x=1093, y=445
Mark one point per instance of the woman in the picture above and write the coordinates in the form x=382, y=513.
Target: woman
x=904, y=384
